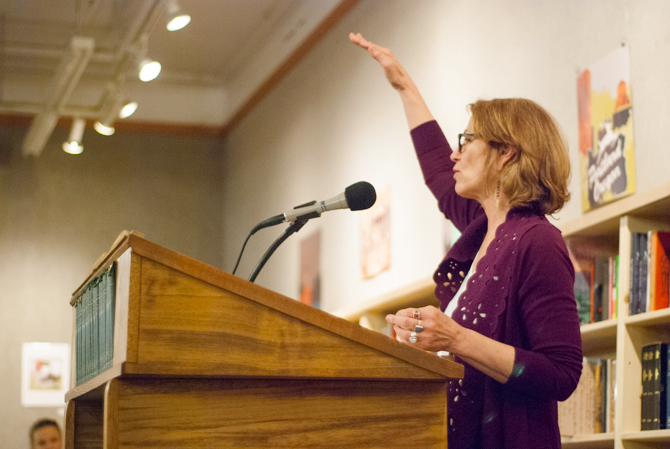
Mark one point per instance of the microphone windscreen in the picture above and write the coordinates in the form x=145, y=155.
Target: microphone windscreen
x=360, y=196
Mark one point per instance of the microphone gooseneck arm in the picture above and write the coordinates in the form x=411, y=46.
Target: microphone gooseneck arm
x=272, y=221
x=292, y=229
x=358, y=196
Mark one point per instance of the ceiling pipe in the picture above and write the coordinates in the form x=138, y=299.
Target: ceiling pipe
x=72, y=66
x=63, y=83
x=55, y=53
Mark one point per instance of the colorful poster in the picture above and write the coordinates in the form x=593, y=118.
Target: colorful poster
x=606, y=146
x=376, y=236
x=310, y=270
x=45, y=374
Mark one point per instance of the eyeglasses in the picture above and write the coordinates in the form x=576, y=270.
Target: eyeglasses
x=463, y=139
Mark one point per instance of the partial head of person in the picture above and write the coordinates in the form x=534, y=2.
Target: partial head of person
x=45, y=434
x=530, y=161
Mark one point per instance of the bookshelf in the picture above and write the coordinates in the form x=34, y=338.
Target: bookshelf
x=608, y=226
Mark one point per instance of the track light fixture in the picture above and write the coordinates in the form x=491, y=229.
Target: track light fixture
x=105, y=126
x=128, y=109
x=149, y=70
x=73, y=145
x=105, y=130
x=176, y=19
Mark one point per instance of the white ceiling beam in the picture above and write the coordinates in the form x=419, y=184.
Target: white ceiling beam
x=62, y=84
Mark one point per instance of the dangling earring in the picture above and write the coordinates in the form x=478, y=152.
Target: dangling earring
x=498, y=194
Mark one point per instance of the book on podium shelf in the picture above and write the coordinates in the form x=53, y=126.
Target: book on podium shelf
x=94, y=327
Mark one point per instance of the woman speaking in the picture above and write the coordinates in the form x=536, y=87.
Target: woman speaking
x=506, y=286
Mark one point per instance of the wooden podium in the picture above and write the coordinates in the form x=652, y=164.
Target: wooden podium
x=205, y=359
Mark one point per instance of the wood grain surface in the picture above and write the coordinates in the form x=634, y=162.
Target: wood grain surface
x=280, y=414
x=190, y=327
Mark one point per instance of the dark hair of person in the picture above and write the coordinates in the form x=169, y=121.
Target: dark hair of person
x=46, y=422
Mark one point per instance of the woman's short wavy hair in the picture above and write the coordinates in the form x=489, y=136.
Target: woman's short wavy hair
x=537, y=176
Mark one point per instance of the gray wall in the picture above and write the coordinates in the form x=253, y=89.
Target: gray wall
x=59, y=213
x=334, y=120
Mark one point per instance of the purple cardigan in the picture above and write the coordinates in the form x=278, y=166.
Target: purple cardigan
x=522, y=295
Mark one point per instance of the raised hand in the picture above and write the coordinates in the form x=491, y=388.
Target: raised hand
x=395, y=73
x=416, y=110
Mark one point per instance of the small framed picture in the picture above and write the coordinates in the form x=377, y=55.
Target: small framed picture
x=45, y=374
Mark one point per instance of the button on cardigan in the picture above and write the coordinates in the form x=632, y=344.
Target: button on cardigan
x=522, y=295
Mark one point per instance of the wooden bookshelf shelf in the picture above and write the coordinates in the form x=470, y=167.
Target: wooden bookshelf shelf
x=599, y=338
x=591, y=441
x=655, y=318
x=654, y=203
x=650, y=436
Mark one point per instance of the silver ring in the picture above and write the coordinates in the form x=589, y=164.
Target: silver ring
x=412, y=337
x=418, y=328
x=417, y=314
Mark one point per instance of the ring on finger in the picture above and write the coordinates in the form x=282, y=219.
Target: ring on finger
x=417, y=314
x=412, y=337
x=418, y=328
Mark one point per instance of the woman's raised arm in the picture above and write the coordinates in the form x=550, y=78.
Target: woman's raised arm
x=416, y=110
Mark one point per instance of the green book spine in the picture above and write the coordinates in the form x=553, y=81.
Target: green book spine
x=77, y=351
x=111, y=295
x=102, y=294
x=84, y=303
x=89, y=354
x=95, y=316
x=89, y=333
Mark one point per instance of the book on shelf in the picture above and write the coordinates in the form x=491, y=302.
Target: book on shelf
x=582, y=291
x=649, y=271
x=596, y=283
x=667, y=388
x=637, y=273
x=94, y=327
x=613, y=285
x=654, y=407
x=659, y=269
x=600, y=301
x=590, y=408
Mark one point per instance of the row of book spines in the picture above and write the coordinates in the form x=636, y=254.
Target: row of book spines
x=590, y=408
x=655, y=410
x=597, y=289
x=649, y=271
x=94, y=330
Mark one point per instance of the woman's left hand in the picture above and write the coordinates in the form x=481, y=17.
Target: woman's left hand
x=433, y=330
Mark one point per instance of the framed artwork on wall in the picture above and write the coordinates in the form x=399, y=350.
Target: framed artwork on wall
x=376, y=236
x=45, y=374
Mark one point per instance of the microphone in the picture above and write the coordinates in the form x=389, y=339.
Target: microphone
x=358, y=196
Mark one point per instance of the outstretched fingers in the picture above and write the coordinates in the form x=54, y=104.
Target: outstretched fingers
x=359, y=40
x=381, y=54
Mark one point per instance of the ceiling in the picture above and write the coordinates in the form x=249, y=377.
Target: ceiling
x=64, y=59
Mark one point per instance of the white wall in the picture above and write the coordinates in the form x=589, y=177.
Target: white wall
x=59, y=213
x=334, y=120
